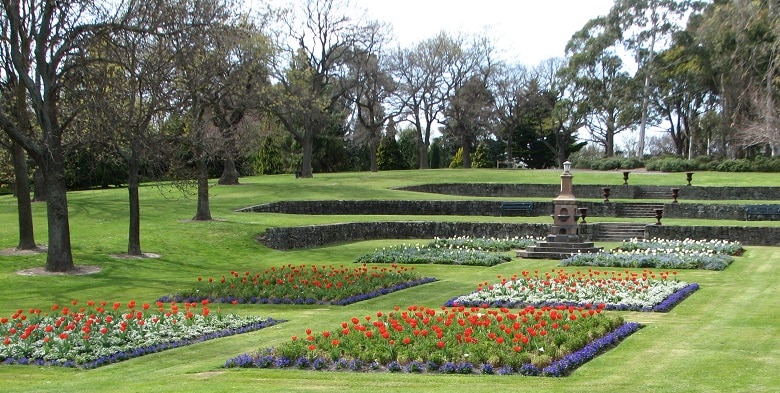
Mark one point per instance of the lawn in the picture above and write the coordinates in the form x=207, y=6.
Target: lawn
x=724, y=337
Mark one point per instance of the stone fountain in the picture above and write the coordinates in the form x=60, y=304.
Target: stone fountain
x=564, y=239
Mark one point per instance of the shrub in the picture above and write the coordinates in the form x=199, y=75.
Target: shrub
x=671, y=164
x=740, y=165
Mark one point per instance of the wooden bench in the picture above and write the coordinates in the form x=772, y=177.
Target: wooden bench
x=525, y=207
x=762, y=212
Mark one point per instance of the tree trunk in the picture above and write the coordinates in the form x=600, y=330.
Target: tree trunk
x=373, y=146
x=229, y=173
x=204, y=211
x=39, y=185
x=60, y=256
x=466, y=151
x=423, y=150
x=22, y=190
x=134, y=232
x=308, y=151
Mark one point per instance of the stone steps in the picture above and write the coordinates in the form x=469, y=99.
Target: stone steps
x=620, y=231
x=638, y=210
x=557, y=250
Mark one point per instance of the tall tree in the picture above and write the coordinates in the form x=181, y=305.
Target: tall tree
x=128, y=90
x=646, y=26
x=469, y=114
x=606, y=89
x=373, y=86
x=310, y=70
x=15, y=117
x=428, y=74
x=205, y=64
x=509, y=83
x=56, y=32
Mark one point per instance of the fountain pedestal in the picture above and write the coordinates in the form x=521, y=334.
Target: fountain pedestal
x=564, y=238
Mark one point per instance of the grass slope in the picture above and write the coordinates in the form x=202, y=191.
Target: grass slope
x=725, y=337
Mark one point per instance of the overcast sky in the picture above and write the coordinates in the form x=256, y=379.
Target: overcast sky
x=525, y=31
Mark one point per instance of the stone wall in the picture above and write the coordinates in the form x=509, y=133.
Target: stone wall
x=595, y=191
x=752, y=236
x=288, y=238
x=483, y=208
x=394, y=207
x=319, y=235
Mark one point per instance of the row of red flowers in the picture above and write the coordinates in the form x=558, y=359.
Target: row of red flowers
x=304, y=284
x=498, y=337
x=104, y=332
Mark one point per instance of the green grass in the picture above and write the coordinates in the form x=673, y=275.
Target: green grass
x=725, y=337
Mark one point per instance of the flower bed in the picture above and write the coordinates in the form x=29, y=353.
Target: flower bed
x=485, y=244
x=663, y=254
x=103, y=333
x=674, y=246
x=446, y=255
x=534, y=341
x=646, y=291
x=304, y=284
x=652, y=258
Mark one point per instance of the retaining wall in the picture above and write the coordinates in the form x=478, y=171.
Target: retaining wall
x=483, y=208
x=595, y=191
x=288, y=238
x=751, y=236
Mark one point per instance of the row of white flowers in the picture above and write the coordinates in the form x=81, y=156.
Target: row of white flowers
x=615, y=292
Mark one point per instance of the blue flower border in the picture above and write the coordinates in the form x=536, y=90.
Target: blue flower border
x=559, y=368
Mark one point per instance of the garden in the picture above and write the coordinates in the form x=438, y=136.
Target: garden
x=367, y=312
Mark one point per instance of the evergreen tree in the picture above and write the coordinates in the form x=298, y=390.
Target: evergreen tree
x=388, y=155
x=457, y=161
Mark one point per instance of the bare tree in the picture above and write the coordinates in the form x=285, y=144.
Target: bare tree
x=55, y=31
x=207, y=57
x=15, y=117
x=372, y=89
x=310, y=72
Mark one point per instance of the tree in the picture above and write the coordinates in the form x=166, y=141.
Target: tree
x=16, y=118
x=373, y=86
x=129, y=88
x=568, y=114
x=428, y=74
x=604, y=89
x=55, y=32
x=510, y=82
x=206, y=60
x=310, y=70
x=741, y=38
x=685, y=89
x=645, y=25
x=389, y=155
x=470, y=114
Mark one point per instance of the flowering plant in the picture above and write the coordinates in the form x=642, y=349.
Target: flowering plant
x=486, y=244
x=534, y=341
x=304, y=284
x=104, y=332
x=663, y=254
x=646, y=291
x=438, y=254
x=670, y=246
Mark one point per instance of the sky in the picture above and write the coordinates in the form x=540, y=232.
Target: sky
x=524, y=31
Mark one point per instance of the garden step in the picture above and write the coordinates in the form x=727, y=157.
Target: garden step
x=557, y=250
x=620, y=232
x=638, y=210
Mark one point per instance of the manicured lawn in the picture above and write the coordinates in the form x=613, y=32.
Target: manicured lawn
x=724, y=337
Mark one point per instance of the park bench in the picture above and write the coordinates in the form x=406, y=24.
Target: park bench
x=524, y=207
x=762, y=212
